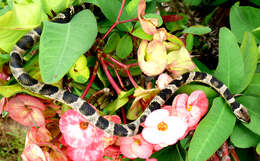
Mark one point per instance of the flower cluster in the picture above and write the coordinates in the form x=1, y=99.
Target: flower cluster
x=166, y=126
x=165, y=51
x=73, y=138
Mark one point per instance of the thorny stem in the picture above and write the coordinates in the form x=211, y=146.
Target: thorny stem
x=91, y=80
x=131, y=78
x=117, y=74
x=233, y=153
x=225, y=156
x=109, y=77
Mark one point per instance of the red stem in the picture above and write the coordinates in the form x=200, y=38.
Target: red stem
x=234, y=154
x=225, y=156
x=90, y=81
x=131, y=78
x=123, y=115
x=130, y=20
x=114, y=61
x=116, y=22
x=117, y=75
x=109, y=77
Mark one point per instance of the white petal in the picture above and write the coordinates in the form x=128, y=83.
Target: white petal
x=156, y=117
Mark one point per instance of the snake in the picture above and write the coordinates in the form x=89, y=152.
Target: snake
x=133, y=128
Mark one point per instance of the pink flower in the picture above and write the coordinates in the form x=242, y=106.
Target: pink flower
x=135, y=147
x=26, y=110
x=77, y=132
x=33, y=152
x=152, y=159
x=163, y=80
x=163, y=129
x=91, y=153
x=191, y=108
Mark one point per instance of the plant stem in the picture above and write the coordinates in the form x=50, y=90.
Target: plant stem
x=116, y=22
x=225, y=156
x=109, y=77
x=233, y=153
x=91, y=80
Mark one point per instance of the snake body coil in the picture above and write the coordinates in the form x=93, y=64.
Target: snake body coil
x=64, y=96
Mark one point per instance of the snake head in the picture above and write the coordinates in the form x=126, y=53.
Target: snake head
x=242, y=114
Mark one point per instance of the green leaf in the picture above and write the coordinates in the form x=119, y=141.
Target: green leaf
x=139, y=32
x=18, y=21
x=211, y=93
x=252, y=105
x=120, y=101
x=192, y=2
x=11, y=90
x=197, y=30
x=249, y=53
x=112, y=42
x=124, y=47
x=230, y=69
x=243, y=138
x=55, y=5
x=212, y=131
x=169, y=153
x=256, y=33
x=4, y=58
x=243, y=19
x=102, y=76
x=189, y=42
x=254, y=87
x=202, y=67
x=131, y=8
x=62, y=44
x=111, y=10
x=258, y=149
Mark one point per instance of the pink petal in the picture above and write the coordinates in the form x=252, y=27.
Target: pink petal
x=198, y=98
x=33, y=152
x=163, y=80
x=73, y=134
x=90, y=153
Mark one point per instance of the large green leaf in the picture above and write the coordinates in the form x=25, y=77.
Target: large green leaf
x=18, y=21
x=243, y=19
x=111, y=10
x=252, y=104
x=249, y=53
x=254, y=87
x=230, y=67
x=62, y=44
x=212, y=131
x=244, y=138
x=4, y=58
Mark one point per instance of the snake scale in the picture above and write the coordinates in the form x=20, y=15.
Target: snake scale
x=93, y=116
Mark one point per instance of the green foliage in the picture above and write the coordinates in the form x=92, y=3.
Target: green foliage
x=138, y=32
x=249, y=53
x=4, y=58
x=197, y=30
x=111, y=9
x=212, y=131
x=22, y=17
x=124, y=47
x=193, y=2
x=230, y=67
x=112, y=42
x=244, y=138
x=252, y=104
x=254, y=87
x=71, y=41
x=244, y=18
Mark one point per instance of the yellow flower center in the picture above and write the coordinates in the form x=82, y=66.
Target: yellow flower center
x=162, y=126
x=83, y=125
x=189, y=108
x=138, y=142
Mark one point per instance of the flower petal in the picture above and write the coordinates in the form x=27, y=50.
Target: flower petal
x=156, y=117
